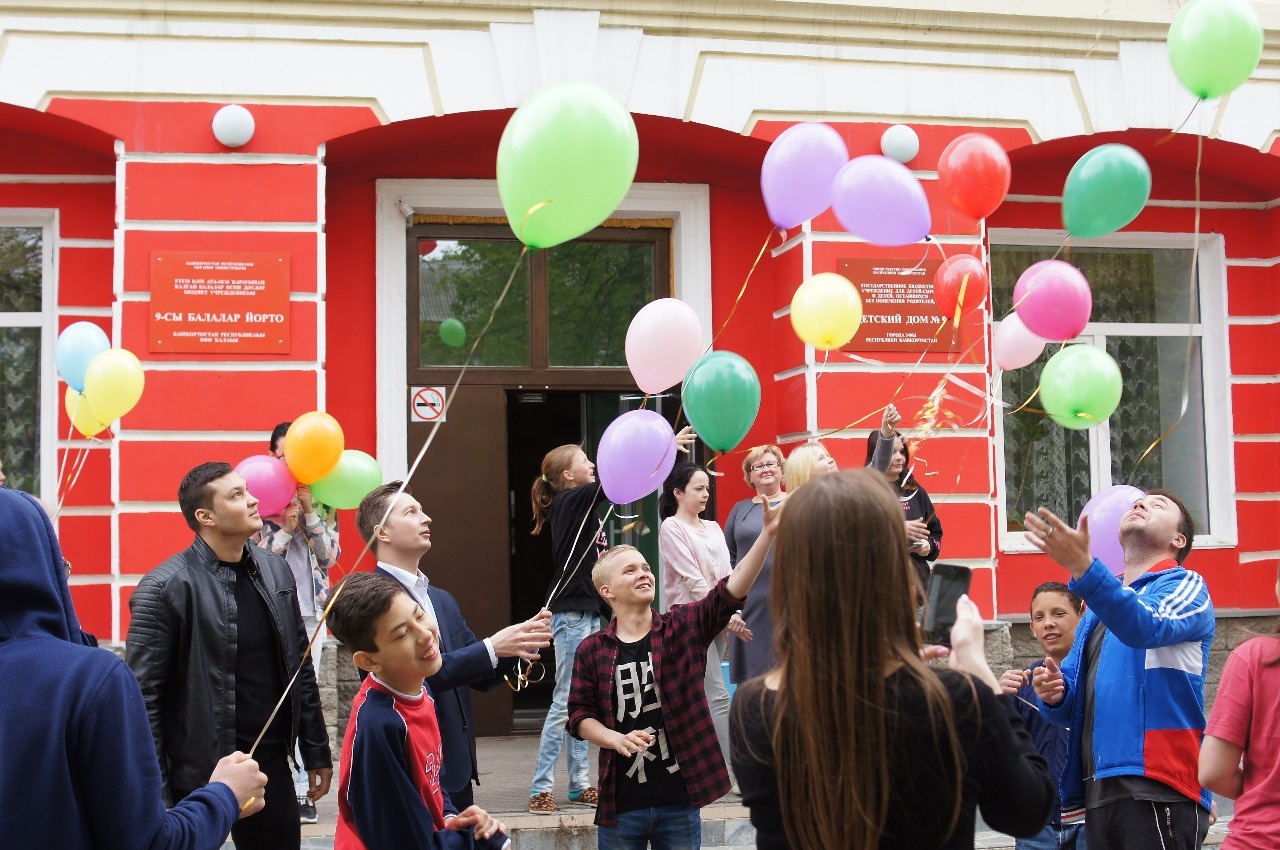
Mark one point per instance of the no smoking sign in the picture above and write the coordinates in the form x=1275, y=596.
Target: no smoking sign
x=426, y=404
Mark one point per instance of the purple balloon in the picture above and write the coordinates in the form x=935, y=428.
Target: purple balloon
x=636, y=455
x=880, y=200
x=796, y=176
x=1105, y=510
x=269, y=481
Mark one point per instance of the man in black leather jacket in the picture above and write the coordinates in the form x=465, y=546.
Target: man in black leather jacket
x=215, y=636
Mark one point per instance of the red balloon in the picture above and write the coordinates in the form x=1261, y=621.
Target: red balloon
x=960, y=272
x=974, y=173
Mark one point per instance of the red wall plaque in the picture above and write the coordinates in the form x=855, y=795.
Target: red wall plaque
x=219, y=302
x=898, y=310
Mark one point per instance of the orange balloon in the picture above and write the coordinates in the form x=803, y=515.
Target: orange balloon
x=313, y=446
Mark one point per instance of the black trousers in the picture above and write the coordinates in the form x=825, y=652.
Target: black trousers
x=1146, y=825
x=464, y=798
x=276, y=827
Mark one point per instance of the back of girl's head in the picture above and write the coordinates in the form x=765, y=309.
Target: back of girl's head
x=801, y=465
x=550, y=481
x=677, y=480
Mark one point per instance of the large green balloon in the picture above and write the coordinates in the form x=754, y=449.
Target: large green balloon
x=1214, y=45
x=1080, y=386
x=565, y=162
x=721, y=398
x=352, y=479
x=1105, y=190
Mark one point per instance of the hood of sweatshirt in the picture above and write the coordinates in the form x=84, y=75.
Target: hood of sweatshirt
x=34, y=598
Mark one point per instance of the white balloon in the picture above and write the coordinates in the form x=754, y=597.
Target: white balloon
x=233, y=125
x=900, y=142
x=1013, y=345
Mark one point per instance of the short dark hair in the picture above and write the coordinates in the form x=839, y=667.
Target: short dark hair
x=373, y=508
x=358, y=603
x=1186, y=525
x=279, y=431
x=1058, y=587
x=194, y=492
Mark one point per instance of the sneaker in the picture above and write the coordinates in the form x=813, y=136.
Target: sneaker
x=585, y=797
x=542, y=803
x=307, y=811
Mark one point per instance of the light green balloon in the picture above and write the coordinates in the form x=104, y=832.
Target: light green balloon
x=453, y=333
x=1106, y=189
x=1080, y=386
x=565, y=162
x=352, y=479
x=721, y=397
x=1215, y=45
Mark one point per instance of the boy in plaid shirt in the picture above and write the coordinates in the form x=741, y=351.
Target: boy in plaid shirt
x=637, y=693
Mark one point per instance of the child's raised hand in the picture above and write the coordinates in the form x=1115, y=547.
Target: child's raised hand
x=632, y=743
x=685, y=438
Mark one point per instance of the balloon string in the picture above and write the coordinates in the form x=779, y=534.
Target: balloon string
x=525, y=220
x=1173, y=133
x=77, y=467
x=71, y=427
x=741, y=292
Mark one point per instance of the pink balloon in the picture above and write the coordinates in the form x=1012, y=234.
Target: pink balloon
x=796, y=176
x=1105, y=510
x=880, y=200
x=269, y=481
x=664, y=340
x=1013, y=345
x=1053, y=300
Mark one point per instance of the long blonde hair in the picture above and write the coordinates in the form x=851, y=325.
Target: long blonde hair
x=557, y=462
x=845, y=617
x=802, y=464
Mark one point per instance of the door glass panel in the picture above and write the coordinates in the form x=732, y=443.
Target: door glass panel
x=461, y=279
x=593, y=291
x=20, y=403
x=20, y=269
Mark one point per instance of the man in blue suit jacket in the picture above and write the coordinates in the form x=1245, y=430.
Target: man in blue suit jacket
x=399, y=544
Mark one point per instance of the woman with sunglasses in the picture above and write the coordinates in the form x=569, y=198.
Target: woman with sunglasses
x=851, y=739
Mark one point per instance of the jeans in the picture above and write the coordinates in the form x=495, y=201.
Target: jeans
x=660, y=827
x=1067, y=837
x=568, y=629
x=718, y=694
x=301, y=783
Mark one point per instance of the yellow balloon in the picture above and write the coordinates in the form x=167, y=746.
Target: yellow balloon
x=826, y=311
x=82, y=417
x=113, y=383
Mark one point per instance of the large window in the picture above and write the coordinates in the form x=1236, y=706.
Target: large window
x=21, y=331
x=1163, y=322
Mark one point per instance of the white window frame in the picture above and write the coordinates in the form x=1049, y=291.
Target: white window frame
x=47, y=320
x=1215, y=377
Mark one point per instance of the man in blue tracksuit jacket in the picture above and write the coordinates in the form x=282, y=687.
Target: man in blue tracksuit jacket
x=1134, y=681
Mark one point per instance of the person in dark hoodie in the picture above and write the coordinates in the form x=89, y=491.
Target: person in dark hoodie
x=79, y=767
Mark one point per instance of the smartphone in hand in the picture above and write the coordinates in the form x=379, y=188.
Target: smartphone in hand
x=947, y=583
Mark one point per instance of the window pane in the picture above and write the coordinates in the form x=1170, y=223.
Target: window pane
x=1045, y=465
x=1128, y=284
x=20, y=407
x=20, y=269
x=1153, y=369
x=462, y=280
x=593, y=291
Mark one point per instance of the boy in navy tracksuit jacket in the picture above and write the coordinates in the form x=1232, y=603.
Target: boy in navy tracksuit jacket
x=1134, y=680
x=390, y=795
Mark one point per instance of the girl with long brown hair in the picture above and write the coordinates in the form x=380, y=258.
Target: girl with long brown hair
x=851, y=739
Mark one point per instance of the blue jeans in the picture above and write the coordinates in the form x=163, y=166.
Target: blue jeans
x=568, y=629
x=660, y=827
x=1068, y=837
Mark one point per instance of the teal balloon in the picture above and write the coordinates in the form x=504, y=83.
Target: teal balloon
x=1080, y=386
x=565, y=162
x=721, y=398
x=453, y=333
x=352, y=479
x=1215, y=45
x=1105, y=190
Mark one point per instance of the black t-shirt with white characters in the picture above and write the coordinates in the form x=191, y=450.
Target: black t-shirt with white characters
x=651, y=777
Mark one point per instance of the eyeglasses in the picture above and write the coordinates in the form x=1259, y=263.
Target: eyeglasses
x=529, y=674
x=768, y=464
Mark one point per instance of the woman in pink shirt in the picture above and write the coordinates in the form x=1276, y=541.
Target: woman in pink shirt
x=694, y=557
x=1246, y=723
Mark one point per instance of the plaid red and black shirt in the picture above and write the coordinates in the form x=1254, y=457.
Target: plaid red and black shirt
x=678, y=643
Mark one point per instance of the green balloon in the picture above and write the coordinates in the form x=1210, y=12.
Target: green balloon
x=453, y=333
x=1215, y=45
x=1080, y=386
x=352, y=479
x=721, y=398
x=565, y=162
x=1105, y=190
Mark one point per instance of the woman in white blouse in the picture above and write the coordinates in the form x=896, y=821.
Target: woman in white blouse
x=695, y=557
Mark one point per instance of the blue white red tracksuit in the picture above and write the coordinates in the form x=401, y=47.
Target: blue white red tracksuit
x=1149, y=686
